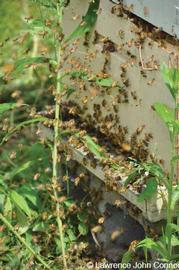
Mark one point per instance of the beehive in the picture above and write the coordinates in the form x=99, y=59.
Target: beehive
x=131, y=52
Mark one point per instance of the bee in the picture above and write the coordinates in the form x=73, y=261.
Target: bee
x=115, y=108
x=126, y=82
x=106, y=62
x=96, y=37
x=86, y=39
x=151, y=82
x=104, y=103
x=121, y=34
x=134, y=95
x=116, y=234
x=143, y=73
x=109, y=46
x=126, y=147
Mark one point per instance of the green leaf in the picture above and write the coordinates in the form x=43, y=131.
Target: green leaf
x=22, y=125
x=175, y=159
x=174, y=241
x=106, y=82
x=71, y=235
x=69, y=91
x=87, y=23
x=18, y=170
x=2, y=200
x=21, y=64
x=6, y=107
x=150, y=244
x=154, y=169
x=83, y=228
x=93, y=147
x=45, y=3
x=166, y=113
x=8, y=208
x=37, y=23
x=127, y=257
x=149, y=190
x=79, y=74
x=20, y=202
x=175, y=197
x=172, y=227
x=168, y=116
x=82, y=216
x=171, y=79
x=31, y=195
x=39, y=227
x=147, y=243
x=21, y=217
x=131, y=178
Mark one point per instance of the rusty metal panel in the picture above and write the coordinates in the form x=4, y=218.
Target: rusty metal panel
x=161, y=13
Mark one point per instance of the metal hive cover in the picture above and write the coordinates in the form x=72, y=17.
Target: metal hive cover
x=161, y=13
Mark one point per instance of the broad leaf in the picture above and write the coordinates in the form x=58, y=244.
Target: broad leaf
x=31, y=194
x=171, y=79
x=20, y=202
x=39, y=227
x=8, y=208
x=46, y=3
x=79, y=74
x=69, y=91
x=175, y=197
x=21, y=217
x=87, y=23
x=18, y=170
x=149, y=190
x=127, y=257
x=174, y=241
x=22, y=64
x=83, y=229
x=172, y=227
x=93, y=147
x=71, y=235
x=150, y=244
x=105, y=82
x=166, y=113
x=131, y=178
x=6, y=107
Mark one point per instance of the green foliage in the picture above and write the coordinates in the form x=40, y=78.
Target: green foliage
x=87, y=23
x=23, y=64
x=149, y=190
x=165, y=245
x=93, y=147
x=103, y=82
x=6, y=107
x=171, y=79
x=22, y=125
x=30, y=203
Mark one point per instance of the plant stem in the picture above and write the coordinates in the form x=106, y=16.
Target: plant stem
x=170, y=186
x=56, y=138
x=21, y=239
